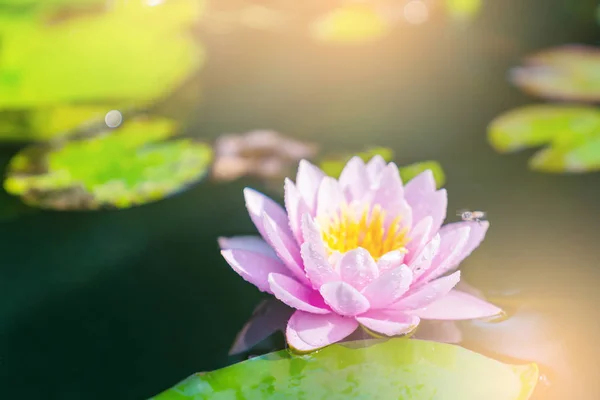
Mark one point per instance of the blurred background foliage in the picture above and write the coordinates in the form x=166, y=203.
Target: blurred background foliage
x=124, y=304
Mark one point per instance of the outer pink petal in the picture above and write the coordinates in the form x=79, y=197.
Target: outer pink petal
x=344, y=299
x=390, y=260
x=308, y=180
x=285, y=247
x=257, y=204
x=374, y=168
x=357, y=268
x=330, y=196
x=424, y=200
x=419, y=298
x=476, y=235
x=388, y=323
x=250, y=243
x=307, y=332
x=458, y=306
x=254, y=267
x=389, y=287
x=422, y=262
x=296, y=295
x=419, y=237
x=296, y=207
x=354, y=180
x=451, y=248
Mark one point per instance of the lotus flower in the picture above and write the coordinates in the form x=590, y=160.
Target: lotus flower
x=364, y=250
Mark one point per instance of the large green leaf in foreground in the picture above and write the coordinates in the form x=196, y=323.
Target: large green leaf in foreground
x=565, y=73
x=572, y=134
x=394, y=369
x=130, y=52
x=128, y=166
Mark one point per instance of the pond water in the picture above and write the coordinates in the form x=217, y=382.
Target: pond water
x=124, y=304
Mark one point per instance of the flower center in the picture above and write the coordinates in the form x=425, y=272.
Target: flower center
x=351, y=227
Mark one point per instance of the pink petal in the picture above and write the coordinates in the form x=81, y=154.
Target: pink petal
x=357, y=268
x=389, y=287
x=330, y=196
x=354, y=179
x=344, y=299
x=423, y=296
x=268, y=317
x=307, y=332
x=458, y=306
x=422, y=262
x=308, y=180
x=317, y=267
x=374, y=168
x=420, y=235
x=389, y=193
x=285, y=247
x=296, y=295
x=424, y=200
x=476, y=236
x=388, y=322
x=296, y=207
x=254, y=244
x=254, y=267
x=451, y=248
x=257, y=204
x=390, y=260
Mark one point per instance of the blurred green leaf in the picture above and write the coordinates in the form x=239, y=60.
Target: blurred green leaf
x=128, y=166
x=572, y=134
x=536, y=125
x=463, y=9
x=408, y=172
x=130, y=52
x=50, y=122
x=350, y=24
x=394, y=369
x=565, y=73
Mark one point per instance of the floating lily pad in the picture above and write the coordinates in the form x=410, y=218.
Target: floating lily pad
x=564, y=73
x=572, y=133
x=371, y=369
x=351, y=24
x=47, y=123
x=410, y=171
x=128, y=166
x=130, y=52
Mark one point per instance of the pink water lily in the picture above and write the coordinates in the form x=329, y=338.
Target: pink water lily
x=362, y=250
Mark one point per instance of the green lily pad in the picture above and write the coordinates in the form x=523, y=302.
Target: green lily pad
x=564, y=73
x=128, y=166
x=371, y=369
x=47, y=123
x=572, y=134
x=99, y=56
x=536, y=125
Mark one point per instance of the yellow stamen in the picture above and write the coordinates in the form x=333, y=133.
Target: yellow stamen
x=349, y=228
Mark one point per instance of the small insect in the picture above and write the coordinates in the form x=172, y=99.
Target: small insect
x=476, y=216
